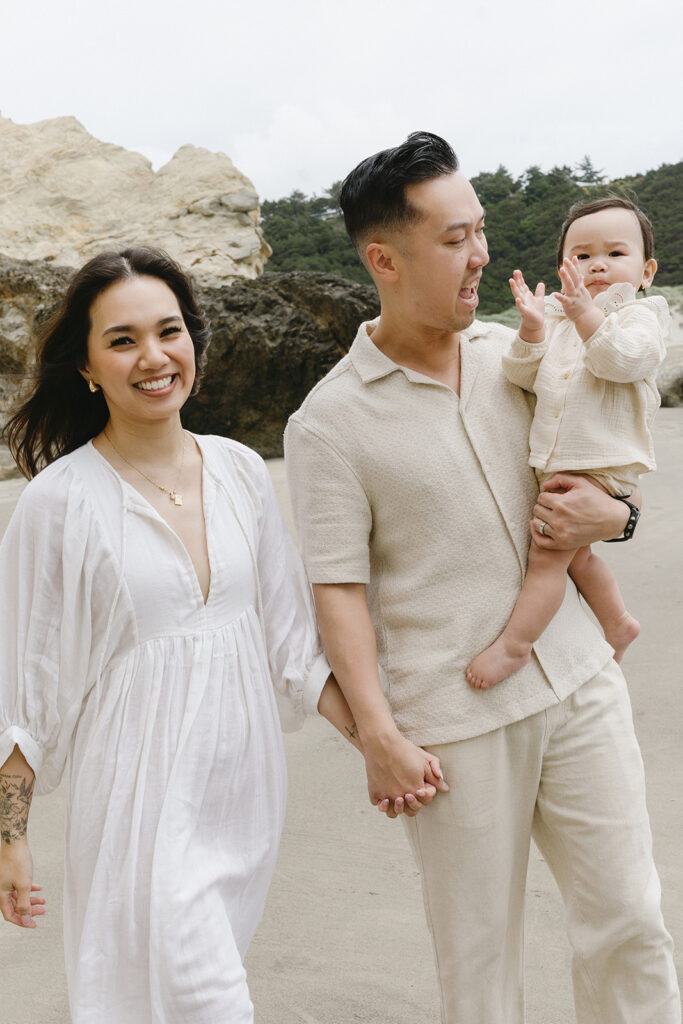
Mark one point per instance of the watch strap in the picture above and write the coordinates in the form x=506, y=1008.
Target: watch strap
x=633, y=517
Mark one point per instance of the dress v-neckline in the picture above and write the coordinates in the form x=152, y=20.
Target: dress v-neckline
x=155, y=514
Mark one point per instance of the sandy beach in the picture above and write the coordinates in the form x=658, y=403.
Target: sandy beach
x=344, y=937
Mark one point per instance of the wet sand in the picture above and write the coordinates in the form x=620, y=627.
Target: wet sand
x=344, y=938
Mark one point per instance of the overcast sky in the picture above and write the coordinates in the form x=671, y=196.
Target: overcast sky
x=296, y=92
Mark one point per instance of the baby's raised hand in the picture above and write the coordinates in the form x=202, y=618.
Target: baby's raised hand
x=531, y=306
x=576, y=300
x=575, y=297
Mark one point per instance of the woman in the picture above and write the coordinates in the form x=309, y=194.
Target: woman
x=149, y=600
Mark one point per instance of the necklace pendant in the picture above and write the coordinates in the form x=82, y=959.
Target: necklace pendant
x=176, y=498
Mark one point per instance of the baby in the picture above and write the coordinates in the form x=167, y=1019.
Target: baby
x=590, y=354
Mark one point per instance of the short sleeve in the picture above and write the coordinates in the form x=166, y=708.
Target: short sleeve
x=331, y=508
x=49, y=575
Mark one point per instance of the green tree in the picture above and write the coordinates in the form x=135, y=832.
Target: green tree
x=307, y=233
x=659, y=193
x=523, y=220
x=586, y=174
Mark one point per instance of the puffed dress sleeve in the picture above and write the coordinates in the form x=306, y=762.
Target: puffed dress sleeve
x=53, y=614
x=297, y=663
x=298, y=666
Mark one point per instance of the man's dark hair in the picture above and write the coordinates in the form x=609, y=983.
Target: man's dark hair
x=373, y=194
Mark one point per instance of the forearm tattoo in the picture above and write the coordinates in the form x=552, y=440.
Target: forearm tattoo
x=351, y=730
x=16, y=792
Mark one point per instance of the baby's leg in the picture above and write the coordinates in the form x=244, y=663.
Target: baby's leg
x=599, y=587
x=541, y=595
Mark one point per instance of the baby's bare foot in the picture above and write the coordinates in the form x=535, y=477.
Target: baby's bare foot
x=622, y=633
x=497, y=662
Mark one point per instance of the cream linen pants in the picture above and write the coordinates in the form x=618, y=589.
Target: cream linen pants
x=571, y=777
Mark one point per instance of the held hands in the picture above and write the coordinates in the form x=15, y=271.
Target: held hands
x=402, y=778
x=17, y=904
x=531, y=306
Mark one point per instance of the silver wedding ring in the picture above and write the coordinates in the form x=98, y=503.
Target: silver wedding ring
x=542, y=528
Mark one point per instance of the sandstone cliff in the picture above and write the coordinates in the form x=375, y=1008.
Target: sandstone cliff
x=65, y=196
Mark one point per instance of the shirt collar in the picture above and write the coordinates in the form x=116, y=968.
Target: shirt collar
x=371, y=363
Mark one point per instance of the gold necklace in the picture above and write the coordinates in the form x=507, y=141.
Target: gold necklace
x=174, y=495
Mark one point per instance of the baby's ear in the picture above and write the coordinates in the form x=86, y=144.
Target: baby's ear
x=649, y=271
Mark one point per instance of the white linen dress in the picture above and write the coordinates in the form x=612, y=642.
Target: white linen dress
x=165, y=712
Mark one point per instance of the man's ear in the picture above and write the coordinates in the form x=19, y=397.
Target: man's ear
x=380, y=257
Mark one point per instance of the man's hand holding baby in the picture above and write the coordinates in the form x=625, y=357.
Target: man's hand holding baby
x=577, y=513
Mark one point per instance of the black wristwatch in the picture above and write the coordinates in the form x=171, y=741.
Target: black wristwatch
x=629, y=529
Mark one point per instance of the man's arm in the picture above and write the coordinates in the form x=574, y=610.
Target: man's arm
x=578, y=513
x=395, y=766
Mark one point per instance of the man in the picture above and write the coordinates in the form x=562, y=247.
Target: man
x=409, y=477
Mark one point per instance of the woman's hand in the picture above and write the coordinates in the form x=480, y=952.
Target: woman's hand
x=17, y=904
x=411, y=803
x=402, y=778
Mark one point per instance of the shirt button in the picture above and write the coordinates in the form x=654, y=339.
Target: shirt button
x=566, y=375
x=556, y=415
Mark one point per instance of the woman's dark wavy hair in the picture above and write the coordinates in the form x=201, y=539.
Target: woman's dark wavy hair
x=61, y=413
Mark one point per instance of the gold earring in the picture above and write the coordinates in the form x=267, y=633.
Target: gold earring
x=93, y=387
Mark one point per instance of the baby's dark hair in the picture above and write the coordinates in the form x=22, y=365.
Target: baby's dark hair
x=587, y=206
x=373, y=193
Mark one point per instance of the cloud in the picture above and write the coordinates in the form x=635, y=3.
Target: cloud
x=155, y=154
x=308, y=148
x=296, y=94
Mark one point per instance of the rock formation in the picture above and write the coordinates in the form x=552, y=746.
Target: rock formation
x=65, y=196
x=272, y=339
x=29, y=292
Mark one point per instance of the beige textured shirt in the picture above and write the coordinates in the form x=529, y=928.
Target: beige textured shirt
x=596, y=399
x=398, y=483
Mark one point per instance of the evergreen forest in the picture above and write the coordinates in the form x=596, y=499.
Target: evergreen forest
x=523, y=220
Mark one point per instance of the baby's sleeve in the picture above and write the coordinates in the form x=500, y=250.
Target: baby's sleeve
x=629, y=345
x=521, y=362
